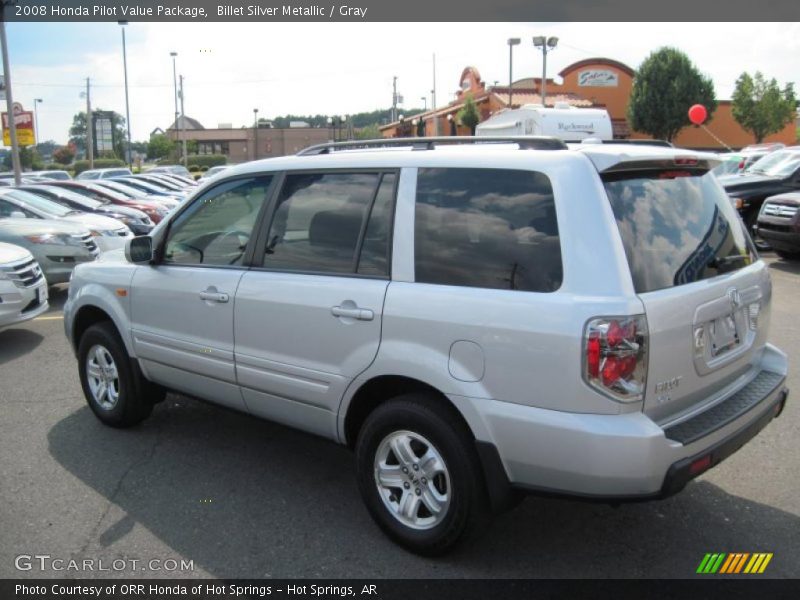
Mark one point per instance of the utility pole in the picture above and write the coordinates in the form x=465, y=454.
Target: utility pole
x=394, y=98
x=89, y=126
x=12, y=126
x=255, y=134
x=433, y=99
x=183, y=125
x=127, y=107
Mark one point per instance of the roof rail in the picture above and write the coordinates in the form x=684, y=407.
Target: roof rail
x=528, y=142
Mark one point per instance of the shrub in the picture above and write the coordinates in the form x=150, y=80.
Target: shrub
x=204, y=168
x=54, y=166
x=100, y=163
x=194, y=168
x=207, y=160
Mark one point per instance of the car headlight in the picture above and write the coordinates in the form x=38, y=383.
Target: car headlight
x=104, y=233
x=49, y=238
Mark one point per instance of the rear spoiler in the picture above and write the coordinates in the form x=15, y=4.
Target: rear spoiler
x=610, y=159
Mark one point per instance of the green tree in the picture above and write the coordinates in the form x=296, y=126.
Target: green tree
x=78, y=133
x=160, y=146
x=665, y=86
x=469, y=115
x=761, y=107
x=370, y=132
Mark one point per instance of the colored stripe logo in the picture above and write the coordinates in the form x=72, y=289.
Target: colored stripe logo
x=734, y=563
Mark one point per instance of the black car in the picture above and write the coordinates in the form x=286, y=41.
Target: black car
x=779, y=224
x=776, y=173
x=137, y=221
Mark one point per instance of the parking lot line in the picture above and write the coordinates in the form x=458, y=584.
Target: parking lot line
x=53, y=318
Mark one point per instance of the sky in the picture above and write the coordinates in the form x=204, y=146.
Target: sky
x=340, y=68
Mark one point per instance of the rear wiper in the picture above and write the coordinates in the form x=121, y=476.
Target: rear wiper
x=721, y=261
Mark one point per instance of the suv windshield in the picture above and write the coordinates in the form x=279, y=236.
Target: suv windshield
x=677, y=227
x=776, y=164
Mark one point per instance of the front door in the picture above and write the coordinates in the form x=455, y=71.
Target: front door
x=182, y=307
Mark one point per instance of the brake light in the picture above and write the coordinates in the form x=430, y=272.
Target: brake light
x=688, y=161
x=615, y=351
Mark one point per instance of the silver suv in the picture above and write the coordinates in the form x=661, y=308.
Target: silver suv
x=473, y=319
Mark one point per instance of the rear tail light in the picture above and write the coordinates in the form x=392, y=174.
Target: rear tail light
x=753, y=311
x=615, y=356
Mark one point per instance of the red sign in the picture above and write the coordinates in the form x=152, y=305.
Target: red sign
x=24, y=123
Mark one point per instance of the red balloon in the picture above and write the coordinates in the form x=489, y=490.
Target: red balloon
x=698, y=114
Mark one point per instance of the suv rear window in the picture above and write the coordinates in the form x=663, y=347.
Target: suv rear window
x=487, y=228
x=677, y=227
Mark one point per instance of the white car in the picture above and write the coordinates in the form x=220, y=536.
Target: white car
x=108, y=233
x=23, y=288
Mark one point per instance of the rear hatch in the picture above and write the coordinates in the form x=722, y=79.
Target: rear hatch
x=695, y=269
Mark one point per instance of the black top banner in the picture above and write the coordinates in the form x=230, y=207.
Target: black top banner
x=406, y=11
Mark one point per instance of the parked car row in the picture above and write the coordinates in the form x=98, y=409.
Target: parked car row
x=48, y=225
x=766, y=193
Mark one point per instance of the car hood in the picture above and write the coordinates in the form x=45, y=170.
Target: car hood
x=10, y=253
x=97, y=222
x=731, y=182
x=117, y=255
x=126, y=211
x=40, y=227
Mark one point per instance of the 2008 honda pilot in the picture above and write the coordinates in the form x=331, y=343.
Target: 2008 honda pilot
x=473, y=319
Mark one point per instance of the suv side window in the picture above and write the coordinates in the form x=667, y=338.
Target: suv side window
x=487, y=228
x=216, y=228
x=319, y=222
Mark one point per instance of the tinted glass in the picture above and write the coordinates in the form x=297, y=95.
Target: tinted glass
x=374, y=258
x=318, y=221
x=677, y=227
x=487, y=228
x=216, y=228
x=39, y=203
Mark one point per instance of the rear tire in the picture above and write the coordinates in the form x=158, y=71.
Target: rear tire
x=114, y=388
x=419, y=474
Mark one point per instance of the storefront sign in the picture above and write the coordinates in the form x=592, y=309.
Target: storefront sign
x=598, y=78
x=24, y=122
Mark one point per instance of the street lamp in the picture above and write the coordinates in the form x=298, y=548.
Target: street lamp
x=127, y=106
x=511, y=43
x=424, y=103
x=36, y=102
x=255, y=134
x=175, y=83
x=546, y=44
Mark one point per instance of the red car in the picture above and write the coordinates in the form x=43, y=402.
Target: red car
x=155, y=211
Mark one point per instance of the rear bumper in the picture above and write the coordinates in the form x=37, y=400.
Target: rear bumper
x=614, y=458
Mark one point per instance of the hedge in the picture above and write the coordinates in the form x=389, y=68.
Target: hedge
x=100, y=163
x=54, y=166
x=206, y=160
x=194, y=168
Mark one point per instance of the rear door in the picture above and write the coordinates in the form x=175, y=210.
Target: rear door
x=706, y=296
x=308, y=316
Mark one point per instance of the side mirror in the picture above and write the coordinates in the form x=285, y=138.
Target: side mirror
x=17, y=214
x=139, y=250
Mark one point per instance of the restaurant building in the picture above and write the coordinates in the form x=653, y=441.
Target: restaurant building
x=596, y=83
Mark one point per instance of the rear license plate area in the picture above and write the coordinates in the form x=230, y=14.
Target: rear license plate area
x=723, y=335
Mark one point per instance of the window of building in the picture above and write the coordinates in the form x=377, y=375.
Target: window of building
x=487, y=228
x=319, y=223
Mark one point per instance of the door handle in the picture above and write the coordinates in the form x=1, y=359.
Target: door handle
x=214, y=296
x=362, y=314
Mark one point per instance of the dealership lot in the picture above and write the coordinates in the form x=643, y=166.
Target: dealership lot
x=238, y=497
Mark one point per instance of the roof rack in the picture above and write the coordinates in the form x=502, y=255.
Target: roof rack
x=528, y=142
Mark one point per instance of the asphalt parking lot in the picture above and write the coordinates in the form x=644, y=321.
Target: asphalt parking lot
x=241, y=497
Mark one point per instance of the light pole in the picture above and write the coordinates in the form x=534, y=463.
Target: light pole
x=175, y=83
x=424, y=103
x=36, y=102
x=255, y=134
x=546, y=44
x=511, y=43
x=127, y=106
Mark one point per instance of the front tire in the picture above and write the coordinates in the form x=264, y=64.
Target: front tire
x=114, y=388
x=419, y=474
